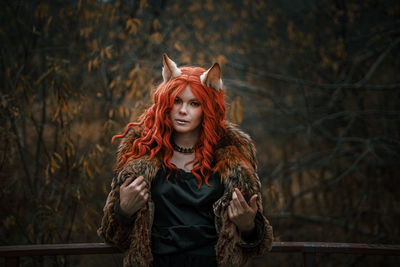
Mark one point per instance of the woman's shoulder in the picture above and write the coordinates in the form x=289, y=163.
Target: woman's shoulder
x=126, y=142
x=235, y=143
x=235, y=136
x=234, y=133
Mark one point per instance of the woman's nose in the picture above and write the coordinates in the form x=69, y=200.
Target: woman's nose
x=182, y=109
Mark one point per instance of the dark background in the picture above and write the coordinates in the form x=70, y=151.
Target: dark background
x=315, y=83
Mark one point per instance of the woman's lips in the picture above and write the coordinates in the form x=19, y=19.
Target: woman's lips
x=181, y=122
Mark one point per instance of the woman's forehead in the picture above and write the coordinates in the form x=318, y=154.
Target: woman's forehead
x=187, y=93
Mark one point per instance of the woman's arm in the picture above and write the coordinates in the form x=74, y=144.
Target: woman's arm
x=122, y=203
x=253, y=227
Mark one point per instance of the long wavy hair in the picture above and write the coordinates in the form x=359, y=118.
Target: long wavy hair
x=157, y=126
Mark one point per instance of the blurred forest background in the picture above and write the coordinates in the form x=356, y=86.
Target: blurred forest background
x=315, y=83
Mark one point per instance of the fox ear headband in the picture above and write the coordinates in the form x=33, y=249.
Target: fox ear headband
x=210, y=78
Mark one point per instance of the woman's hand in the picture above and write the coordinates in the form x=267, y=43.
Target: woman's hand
x=133, y=196
x=241, y=213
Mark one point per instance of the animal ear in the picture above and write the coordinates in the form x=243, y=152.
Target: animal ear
x=212, y=77
x=169, y=70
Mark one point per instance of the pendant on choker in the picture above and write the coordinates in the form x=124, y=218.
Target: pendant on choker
x=181, y=149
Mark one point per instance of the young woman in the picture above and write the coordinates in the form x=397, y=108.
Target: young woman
x=186, y=192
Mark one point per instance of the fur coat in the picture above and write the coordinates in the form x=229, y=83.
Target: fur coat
x=231, y=250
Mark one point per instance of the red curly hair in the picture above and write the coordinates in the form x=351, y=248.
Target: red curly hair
x=158, y=128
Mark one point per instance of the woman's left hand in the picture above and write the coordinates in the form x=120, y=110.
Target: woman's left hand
x=241, y=213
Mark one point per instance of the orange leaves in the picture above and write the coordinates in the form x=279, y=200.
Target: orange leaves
x=156, y=38
x=106, y=52
x=156, y=25
x=88, y=169
x=42, y=10
x=237, y=110
x=86, y=31
x=132, y=25
x=271, y=21
x=221, y=59
x=8, y=222
x=93, y=64
x=199, y=23
x=298, y=37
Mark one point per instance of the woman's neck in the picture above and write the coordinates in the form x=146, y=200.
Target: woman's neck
x=186, y=140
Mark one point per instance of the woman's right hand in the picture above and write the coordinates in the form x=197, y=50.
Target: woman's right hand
x=133, y=196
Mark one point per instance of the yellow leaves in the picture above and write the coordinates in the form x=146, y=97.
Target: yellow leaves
x=42, y=10
x=112, y=84
x=86, y=31
x=156, y=38
x=272, y=42
x=306, y=40
x=54, y=164
x=110, y=113
x=58, y=156
x=9, y=222
x=199, y=23
x=78, y=194
x=89, y=218
x=99, y=148
x=237, y=110
x=185, y=58
x=326, y=61
x=64, y=104
x=340, y=49
x=195, y=6
x=132, y=25
x=143, y=4
x=93, y=64
x=93, y=46
x=221, y=60
x=88, y=169
x=393, y=10
x=133, y=72
x=69, y=148
x=124, y=112
x=121, y=36
x=31, y=231
x=244, y=13
x=115, y=67
x=209, y=5
x=106, y=52
x=156, y=25
x=290, y=31
x=270, y=21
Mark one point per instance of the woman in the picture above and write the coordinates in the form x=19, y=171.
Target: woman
x=186, y=192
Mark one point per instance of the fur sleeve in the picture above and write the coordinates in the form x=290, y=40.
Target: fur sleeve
x=111, y=229
x=236, y=163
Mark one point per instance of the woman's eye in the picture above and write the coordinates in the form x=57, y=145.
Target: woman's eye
x=177, y=100
x=195, y=104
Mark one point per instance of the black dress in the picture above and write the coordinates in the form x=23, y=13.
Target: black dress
x=183, y=232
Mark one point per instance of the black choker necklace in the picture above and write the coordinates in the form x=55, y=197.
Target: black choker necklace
x=181, y=149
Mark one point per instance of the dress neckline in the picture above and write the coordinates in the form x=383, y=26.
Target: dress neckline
x=182, y=170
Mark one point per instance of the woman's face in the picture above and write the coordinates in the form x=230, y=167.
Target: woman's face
x=186, y=114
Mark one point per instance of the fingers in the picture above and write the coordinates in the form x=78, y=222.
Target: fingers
x=138, y=181
x=241, y=199
x=253, y=202
x=230, y=212
x=126, y=182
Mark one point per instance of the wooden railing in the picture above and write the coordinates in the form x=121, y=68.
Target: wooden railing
x=308, y=249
